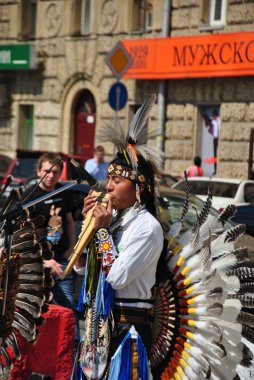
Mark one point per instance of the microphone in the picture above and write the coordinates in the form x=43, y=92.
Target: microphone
x=82, y=173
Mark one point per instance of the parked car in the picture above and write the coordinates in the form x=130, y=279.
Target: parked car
x=167, y=180
x=170, y=204
x=5, y=162
x=245, y=215
x=225, y=191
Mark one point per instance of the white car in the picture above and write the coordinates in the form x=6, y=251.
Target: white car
x=225, y=190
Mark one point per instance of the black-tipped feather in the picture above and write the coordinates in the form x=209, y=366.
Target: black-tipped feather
x=33, y=309
x=241, y=254
x=243, y=273
x=7, y=358
x=27, y=334
x=246, y=319
x=35, y=268
x=187, y=198
x=12, y=341
x=227, y=214
x=246, y=300
x=206, y=207
x=234, y=233
x=246, y=287
x=247, y=357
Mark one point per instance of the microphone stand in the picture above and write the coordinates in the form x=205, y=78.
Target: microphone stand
x=9, y=223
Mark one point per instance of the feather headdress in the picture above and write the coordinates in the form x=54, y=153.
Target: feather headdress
x=131, y=146
x=203, y=320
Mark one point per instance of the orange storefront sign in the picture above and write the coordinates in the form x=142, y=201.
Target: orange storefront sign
x=191, y=57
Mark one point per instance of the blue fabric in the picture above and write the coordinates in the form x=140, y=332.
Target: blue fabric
x=142, y=360
x=108, y=298
x=121, y=362
x=115, y=364
x=126, y=358
x=78, y=374
x=63, y=295
x=80, y=306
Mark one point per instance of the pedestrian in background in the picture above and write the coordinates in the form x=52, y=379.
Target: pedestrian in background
x=215, y=131
x=96, y=166
x=195, y=170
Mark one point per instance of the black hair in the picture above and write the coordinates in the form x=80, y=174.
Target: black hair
x=147, y=196
x=197, y=161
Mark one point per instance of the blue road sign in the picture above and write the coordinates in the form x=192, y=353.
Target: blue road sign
x=117, y=96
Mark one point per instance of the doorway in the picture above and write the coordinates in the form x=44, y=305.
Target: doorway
x=210, y=130
x=85, y=123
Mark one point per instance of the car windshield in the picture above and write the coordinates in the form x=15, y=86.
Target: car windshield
x=24, y=167
x=219, y=189
x=170, y=210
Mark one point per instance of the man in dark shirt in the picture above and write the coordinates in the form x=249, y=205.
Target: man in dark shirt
x=59, y=224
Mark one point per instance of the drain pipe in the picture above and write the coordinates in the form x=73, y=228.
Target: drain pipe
x=163, y=83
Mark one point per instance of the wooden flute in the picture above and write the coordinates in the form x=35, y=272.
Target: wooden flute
x=86, y=233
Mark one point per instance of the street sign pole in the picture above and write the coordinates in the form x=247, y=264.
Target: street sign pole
x=118, y=60
x=118, y=93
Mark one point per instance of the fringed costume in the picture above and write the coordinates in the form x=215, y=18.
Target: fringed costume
x=177, y=309
x=24, y=282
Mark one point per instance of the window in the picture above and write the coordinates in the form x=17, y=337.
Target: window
x=25, y=132
x=81, y=17
x=142, y=15
x=249, y=193
x=27, y=17
x=86, y=17
x=213, y=13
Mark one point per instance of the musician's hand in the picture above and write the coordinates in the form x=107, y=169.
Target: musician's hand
x=89, y=203
x=55, y=267
x=103, y=215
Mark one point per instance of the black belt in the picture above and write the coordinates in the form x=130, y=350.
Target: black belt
x=132, y=315
x=133, y=300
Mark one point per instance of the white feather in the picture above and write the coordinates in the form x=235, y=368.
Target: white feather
x=224, y=262
x=210, y=226
x=231, y=310
x=219, y=247
x=232, y=283
x=196, y=274
x=191, y=374
x=187, y=251
x=222, y=369
x=185, y=238
x=195, y=261
x=234, y=352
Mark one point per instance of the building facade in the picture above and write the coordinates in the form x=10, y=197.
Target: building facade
x=58, y=99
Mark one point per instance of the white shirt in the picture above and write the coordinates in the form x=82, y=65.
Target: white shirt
x=216, y=127
x=139, y=244
x=97, y=170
